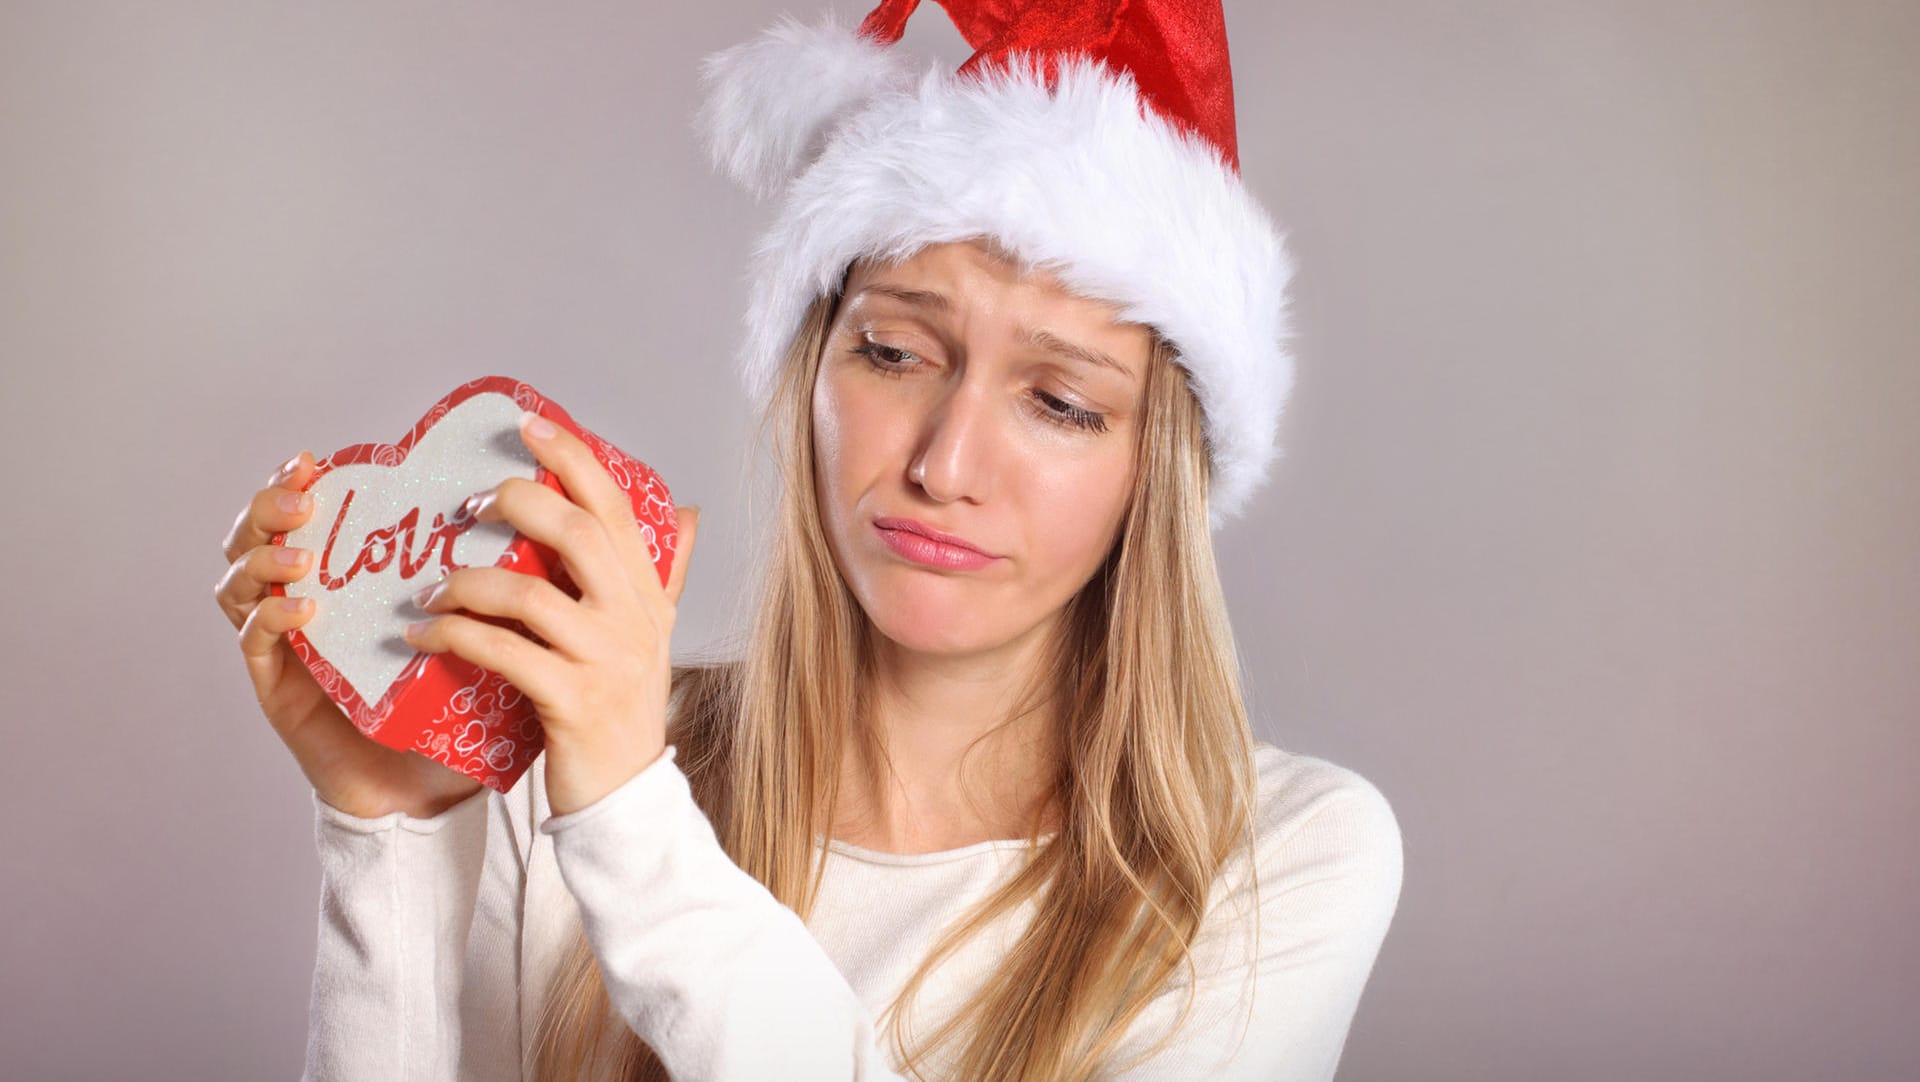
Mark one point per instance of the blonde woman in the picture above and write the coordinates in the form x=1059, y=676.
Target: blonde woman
x=979, y=799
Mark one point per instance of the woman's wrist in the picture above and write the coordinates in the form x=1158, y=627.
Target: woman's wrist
x=580, y=776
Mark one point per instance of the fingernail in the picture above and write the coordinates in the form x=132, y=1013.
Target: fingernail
x=477, y=503
x=414, y=630
x=286, y=469
x=294, y=502
x=537, y=426
x=288, y=555
x=425, y=597
x=294, y=604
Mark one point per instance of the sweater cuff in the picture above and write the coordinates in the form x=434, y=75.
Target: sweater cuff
x=329, y=815
x=659, y=786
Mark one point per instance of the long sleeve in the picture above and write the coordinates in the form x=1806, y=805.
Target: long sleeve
x=1279, y=1010
x=713, y=972
x=402, y=966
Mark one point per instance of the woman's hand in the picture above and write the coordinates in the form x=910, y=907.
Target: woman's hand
x=347, y=770
x=600, y=685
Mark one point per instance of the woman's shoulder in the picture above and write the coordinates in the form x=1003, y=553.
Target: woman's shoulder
x=1325, y=868
x=1315, y=819
x=1296, y=789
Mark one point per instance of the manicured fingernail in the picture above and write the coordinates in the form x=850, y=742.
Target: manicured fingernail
x=294, y=502
x=289, y=555
x=414, y=630
x=537, y=426
x=295, y=604
x=477, y=503
x=425, y=597
x=286, y=469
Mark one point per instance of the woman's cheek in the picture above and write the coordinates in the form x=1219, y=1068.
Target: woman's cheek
x=1082, y=508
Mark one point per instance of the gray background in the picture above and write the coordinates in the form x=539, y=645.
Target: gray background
x=1594, y=545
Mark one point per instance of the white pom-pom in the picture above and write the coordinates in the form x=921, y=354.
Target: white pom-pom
x=770, y=102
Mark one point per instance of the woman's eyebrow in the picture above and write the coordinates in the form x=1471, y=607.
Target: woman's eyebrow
x=1039, y=339
x=1054, y=344
x=921, y=298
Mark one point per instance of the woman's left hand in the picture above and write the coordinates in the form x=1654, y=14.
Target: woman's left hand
x=600, y=686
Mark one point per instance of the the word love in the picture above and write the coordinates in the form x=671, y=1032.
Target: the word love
x=382, y=548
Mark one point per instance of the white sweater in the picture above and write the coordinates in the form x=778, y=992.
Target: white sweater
x=438, y=937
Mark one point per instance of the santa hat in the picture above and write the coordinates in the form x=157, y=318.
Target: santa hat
x=1092, y=139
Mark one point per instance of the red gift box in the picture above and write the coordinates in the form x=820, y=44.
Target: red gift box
x=389, y=520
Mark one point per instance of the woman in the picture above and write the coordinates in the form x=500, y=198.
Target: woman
x=980, y=807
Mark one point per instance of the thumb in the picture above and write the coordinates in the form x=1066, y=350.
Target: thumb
x=688, y=531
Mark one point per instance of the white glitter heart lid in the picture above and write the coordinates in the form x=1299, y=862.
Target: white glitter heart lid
x=369, y=563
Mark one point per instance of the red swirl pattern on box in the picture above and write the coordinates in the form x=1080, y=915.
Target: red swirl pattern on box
x=442, y=706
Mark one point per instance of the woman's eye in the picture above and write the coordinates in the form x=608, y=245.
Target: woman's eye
x=894, y=362
x=883, y=358
x=1067, y=413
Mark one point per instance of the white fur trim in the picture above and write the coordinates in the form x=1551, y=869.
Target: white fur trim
x=1080, y=180
x=770, y=100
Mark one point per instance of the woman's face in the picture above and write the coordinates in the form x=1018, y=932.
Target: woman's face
x=957, y=396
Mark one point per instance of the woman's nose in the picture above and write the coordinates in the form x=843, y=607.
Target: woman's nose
x=957, y=445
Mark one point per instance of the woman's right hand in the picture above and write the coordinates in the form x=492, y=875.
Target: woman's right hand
x=348, y=770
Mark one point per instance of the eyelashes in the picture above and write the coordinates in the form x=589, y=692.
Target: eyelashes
x=886, y=360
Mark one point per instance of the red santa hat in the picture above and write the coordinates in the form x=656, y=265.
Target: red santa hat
x=1093, y=139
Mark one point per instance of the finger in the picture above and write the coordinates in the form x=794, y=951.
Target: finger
x=585, y=480
x=688, y=529
x=293, y=472
x=266, y=514
x=249, y=577
x=264, y=647
x=260, y=633
x=496, y=591
x=576, y=534
x=587, y=483
x=539, y=675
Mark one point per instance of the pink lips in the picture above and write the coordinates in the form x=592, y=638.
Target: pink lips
x=925, y=545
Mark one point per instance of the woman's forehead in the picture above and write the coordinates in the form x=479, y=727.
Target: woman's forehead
x=985, y=253
x=951, y=277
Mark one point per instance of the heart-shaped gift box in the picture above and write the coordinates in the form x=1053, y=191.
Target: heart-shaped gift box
x=389, y=519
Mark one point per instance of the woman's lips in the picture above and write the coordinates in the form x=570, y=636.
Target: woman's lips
x=925, y=550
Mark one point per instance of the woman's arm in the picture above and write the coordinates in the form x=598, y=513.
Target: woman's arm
x=414, y=971
x=721, y=979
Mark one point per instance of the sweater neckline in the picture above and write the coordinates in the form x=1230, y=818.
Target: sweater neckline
x=944, y=856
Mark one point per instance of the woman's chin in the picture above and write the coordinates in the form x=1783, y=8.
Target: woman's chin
x=928, y=636
x=921, y=624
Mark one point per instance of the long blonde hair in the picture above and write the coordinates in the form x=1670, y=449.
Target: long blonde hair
x=1155, y=791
